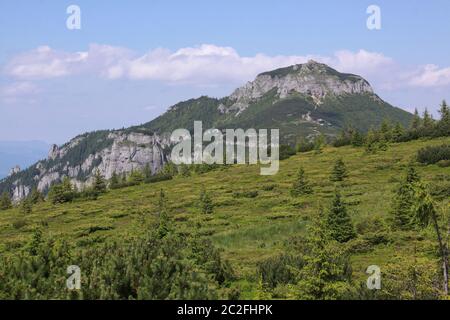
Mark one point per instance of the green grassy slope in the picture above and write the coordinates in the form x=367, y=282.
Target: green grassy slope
x=248, y=229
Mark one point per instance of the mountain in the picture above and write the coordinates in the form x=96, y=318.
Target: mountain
x=20, y=153
x=303, y=100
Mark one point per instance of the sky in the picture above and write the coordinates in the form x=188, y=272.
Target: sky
x=131, y=60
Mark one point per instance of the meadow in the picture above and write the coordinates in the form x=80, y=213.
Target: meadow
x=254, y=216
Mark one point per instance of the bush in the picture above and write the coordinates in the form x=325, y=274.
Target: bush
x=286, y=151
x=431, y=155
x=158, y=177
x=278, y=270
x=305, y=146
x=144, y=267
x=269, y=187
x=245, y=194
x=444, y=163
x=19, y=224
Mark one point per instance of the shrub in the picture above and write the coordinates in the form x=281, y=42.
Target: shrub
x=269, y=187
x=444, y=163
x=304, y=146
x=278, y=270
x=286, y=151
x=19, y=224
x=159, y=177
x=431, y=155
x=245, y=194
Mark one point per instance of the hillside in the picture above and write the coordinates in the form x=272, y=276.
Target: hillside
x=303, y=100
x=255, y=218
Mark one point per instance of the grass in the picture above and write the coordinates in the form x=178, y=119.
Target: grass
x=249, y=229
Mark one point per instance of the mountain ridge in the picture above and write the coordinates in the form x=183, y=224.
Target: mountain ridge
x=302, y=100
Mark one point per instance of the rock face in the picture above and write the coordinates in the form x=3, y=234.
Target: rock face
x=14, y=170
x=124, y=152
x=314, y=79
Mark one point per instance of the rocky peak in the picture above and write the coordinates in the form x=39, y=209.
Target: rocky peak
x=313, y=79
x=14, y=170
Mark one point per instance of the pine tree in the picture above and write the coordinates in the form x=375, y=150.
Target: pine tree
x=123, y=179
x=262, y=293
x=99, y=185
x=339, y=172
x=416, y=121
x=357, y=139
x=339, y=222
x=114, y=181
x=35, y=243
x=397, y=132
x=26, y=206
x=5, y=201
x=372, y=140
x=206, y=204
x=301, y=185
x=62, y=192
x=386, y=131
x=36, y=196
x=425, y=214
x=402, y=203
x=444, y=122
x=427, y=124
x=319, y=143
x=136, y=177
x=184, y=170
x=304, y=145
x=164, y=223
x=326, y=273
x=147, y=172
x=411, y=175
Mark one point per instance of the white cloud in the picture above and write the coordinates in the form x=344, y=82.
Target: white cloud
x=431, y=76
x=18, y=92
x=44, y=62
x=209, y=65
x=19, y=89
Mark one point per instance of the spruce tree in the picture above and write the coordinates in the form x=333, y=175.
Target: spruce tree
x=62, y=192
x=397, y=132
x=262, y=292
x=206, y=204
x=401, y=209
x=425, y=213
x=339, y=222
x=444, y=122
x=26, y=206
x=301, y=185
x=416, y=121
x=184, y=170
x=326, y=273
x=386, y=130
x=372, y=140
x=136, y=177
x=339, y=172
x=427, y=124
x=5, y=201
x=99, y=185
x=319, y=143
x=114, y=181
x=164, y=223
x=357, y=139
x=36, y=196
x=147, y=172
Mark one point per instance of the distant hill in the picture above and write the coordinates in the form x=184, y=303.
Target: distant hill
x=302, y=100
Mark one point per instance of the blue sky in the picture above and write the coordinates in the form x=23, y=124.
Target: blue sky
x=133, y=59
